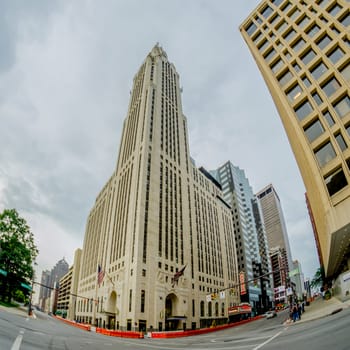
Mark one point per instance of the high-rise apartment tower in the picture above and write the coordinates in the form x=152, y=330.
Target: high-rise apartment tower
x=302, y=49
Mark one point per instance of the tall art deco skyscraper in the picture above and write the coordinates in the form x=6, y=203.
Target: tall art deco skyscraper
x=160, y=232
x=302, y=50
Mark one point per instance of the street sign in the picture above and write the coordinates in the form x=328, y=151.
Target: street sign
x=242, y=282
x=3, y=272
x=24, y=285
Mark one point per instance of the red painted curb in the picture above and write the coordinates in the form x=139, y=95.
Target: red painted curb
x=178, y=334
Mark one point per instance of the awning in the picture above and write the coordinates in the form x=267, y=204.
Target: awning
x=176, y=318
x=108, y=313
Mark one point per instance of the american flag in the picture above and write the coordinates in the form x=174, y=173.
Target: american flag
x=100, y=275
x=177, y=275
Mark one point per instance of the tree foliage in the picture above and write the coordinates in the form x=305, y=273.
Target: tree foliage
x=318, y=279
x=17, y=253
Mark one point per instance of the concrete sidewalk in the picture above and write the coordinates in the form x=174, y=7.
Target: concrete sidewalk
x=20, y=310
x=320, y=308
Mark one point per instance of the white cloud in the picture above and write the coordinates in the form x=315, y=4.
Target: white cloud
x=64, y=90
x=53, y=241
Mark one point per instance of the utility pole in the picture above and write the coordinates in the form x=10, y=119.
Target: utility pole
x=30, y=312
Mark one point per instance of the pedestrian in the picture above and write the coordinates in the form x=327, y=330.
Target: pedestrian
x=299, y=311
x=295, y=313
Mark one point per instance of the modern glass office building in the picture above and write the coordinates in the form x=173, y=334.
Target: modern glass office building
x=251, y=241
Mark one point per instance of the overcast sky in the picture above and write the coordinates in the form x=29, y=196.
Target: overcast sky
x=66, y=69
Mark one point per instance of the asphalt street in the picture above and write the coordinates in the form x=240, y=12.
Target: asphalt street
x=19, y=332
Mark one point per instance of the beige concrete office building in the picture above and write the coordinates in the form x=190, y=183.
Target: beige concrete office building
x=302, y=50
x=68, y=287
x=157, y=215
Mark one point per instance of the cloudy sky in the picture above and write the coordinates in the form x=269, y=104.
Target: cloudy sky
x=66, y=69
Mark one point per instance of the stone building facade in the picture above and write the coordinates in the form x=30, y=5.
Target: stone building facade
x=160, y=232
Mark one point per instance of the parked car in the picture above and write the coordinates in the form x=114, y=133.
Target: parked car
x=271, y=314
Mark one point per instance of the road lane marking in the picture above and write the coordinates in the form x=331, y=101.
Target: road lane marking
x=267, y=341
x=18, y=340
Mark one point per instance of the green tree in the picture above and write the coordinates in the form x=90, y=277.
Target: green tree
x=17, y=254
x=318, y=279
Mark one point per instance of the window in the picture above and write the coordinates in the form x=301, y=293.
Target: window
x=258, y=19
x=257, y=37
x=329, y=118
x=270, y=54
x=202, y=308
x=335, y=29
x=341, y=142
x=290, y=35
x=294, y=93
x=323, y=19
x=324, y=41
x=336, y=55
x=322, y=3
x=313, y=131
x=304, y=21
x=298, y=45
x=319, y=70
x=308, y=56
x=313, y=30
x=277, y=2
x=285, y=78
x=274, y=18
x=306, y=81
x=303, y=110
x=277, y=66
x=130, y=299
x=345, y=72
x=317, y=98
x=345, y=20
x=251, y=29
x=335, y=9
x=287, y=55
x=282, y=26
x=330, y=87
x=266, y=12
x=295, y=13
x=286, y=7
x=342, y=107
x=296, y=67
x=325, y=154
x=143, y=295
x=263, y=46
x=335, y=181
